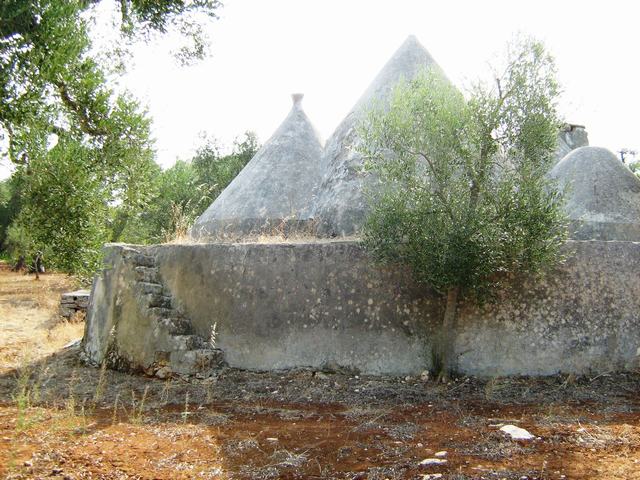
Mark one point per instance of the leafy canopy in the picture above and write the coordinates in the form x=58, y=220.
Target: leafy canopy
x=80, y=148
x=462, y=196
x=186, y=190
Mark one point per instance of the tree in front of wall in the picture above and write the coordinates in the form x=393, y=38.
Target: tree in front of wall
x=462, y=197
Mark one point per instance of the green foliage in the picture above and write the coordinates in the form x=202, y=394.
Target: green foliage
x=86, y=189
x=186, y=190
x=214, y=172
x=19, y=242
x=65, y=206
x=462, y=197
x=464, y=194
x=172, y=210
x=6, y=209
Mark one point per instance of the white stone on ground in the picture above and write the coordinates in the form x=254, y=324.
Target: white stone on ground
x=433, y=461
x=516, y=433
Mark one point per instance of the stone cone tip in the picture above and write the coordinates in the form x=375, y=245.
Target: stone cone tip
x=297, y=99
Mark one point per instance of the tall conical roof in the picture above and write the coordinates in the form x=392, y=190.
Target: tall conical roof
x=276, y=185
x=341, y=207
x=603, y=198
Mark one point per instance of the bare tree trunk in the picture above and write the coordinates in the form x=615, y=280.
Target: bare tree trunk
x=38, y=265
x=445, y=344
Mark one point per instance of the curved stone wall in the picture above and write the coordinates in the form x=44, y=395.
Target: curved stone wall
x=278, y=306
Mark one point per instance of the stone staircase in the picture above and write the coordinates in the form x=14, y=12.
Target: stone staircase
x=179, y=351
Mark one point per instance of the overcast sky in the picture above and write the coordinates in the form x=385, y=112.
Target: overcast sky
x=330, y=50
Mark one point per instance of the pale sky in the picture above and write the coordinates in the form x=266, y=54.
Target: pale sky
x=330, y=50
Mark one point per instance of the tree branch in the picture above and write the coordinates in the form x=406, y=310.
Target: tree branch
x=86, y=124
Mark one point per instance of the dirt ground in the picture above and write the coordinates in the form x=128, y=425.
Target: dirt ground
x=60, y=419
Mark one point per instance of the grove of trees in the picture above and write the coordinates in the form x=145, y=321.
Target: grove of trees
x=84, y=170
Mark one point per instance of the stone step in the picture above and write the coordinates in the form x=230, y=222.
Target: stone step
x=190, y=362
x=147, y=274
x=160, y=312
x=157, y=301
x=151, y=288
x=176, y=325
x=143, y=260
x=186, y=342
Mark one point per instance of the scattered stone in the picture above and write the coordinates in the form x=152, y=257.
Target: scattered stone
x=56, y=471
x=28, y=463
x=516, y=433
x=430, y=476
x=432, y=461
x=424, y=376
x=272, y=439
x=441, y=454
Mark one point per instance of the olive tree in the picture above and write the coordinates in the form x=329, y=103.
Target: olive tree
x=462, y=197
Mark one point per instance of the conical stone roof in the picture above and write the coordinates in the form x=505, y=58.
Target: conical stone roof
x=603, y=196
x=341, y=207
x=277, y=184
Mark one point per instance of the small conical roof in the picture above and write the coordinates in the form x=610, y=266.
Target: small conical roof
x=341, y=207
x=276, y=185
x=603, y=195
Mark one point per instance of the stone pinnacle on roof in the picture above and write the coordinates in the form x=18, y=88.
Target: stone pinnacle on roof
x=603, y=197
x=275, y=187
x=570, y=137
x=341, y=207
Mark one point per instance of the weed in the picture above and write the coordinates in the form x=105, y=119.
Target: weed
x=164, y=393
x=137, y=413
x=70, y=403
x=114, y=417
x=102, y=382
x=22, y=397
x=214, y=335
x=186, y=412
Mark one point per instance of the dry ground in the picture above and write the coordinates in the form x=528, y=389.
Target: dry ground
x=60, y=419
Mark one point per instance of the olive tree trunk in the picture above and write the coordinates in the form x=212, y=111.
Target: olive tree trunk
x=444, y=347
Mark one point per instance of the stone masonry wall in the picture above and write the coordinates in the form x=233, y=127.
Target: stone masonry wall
x=276, y=306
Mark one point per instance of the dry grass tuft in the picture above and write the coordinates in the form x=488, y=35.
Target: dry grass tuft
x=289, y=230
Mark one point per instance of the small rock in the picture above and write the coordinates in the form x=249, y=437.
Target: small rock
x=516, y=433
x=441, y=454
x=430, y=476
x=424, y=376
x=56, y=471
x=28, y=463
x=272, y=439
x=163, y=372
x=432, y=461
